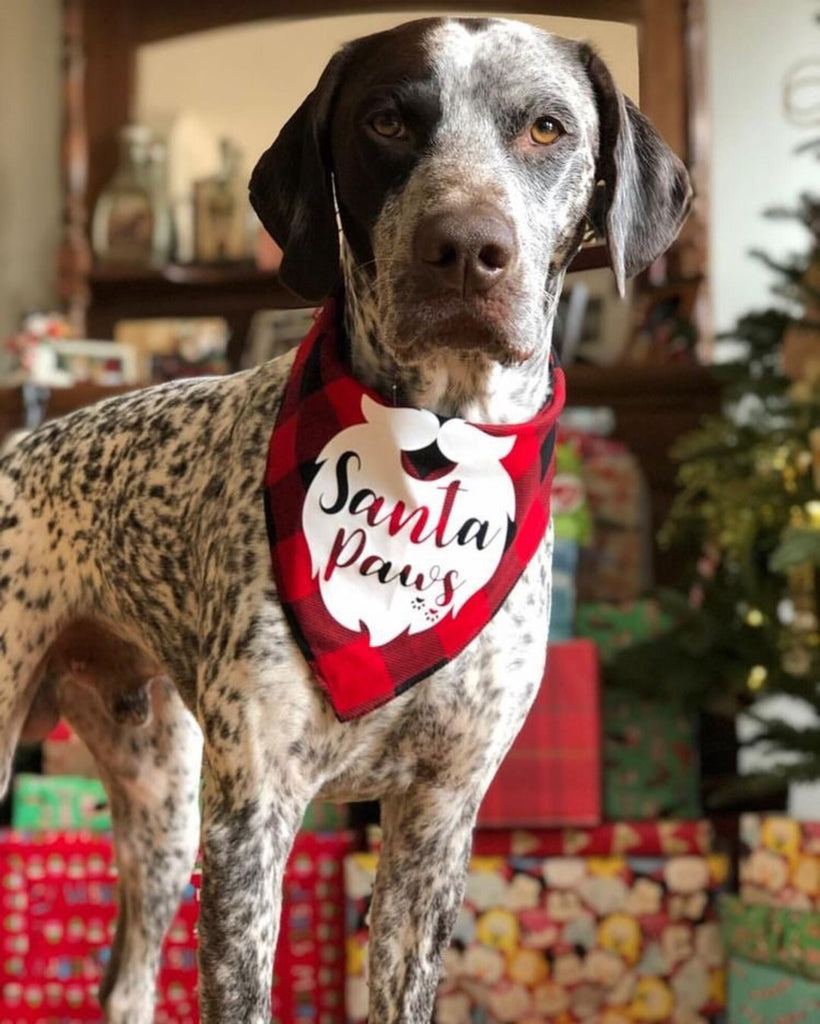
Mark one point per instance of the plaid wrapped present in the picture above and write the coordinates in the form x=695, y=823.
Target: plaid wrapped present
x=650, y=759
x=780, y=862
x=778, y=936
x=759, y=994
x=597, y=940
x=58, y=907
x=552, y=773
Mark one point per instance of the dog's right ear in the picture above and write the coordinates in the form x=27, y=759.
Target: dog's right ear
x=291, y=190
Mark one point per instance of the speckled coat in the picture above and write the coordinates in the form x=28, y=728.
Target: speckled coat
x=135, y=588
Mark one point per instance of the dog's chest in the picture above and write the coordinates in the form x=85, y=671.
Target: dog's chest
x=458, y=721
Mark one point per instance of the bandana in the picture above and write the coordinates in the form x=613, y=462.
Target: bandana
x=395, y=534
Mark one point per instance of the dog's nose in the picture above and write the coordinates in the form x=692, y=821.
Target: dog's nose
x=465, y=251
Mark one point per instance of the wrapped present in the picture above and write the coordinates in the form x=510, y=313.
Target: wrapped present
x=564, y=570
x=780, y=862
x=322, y=816
x=64, y=753
x=759, y=994
x=59, y=802
x=650, y=759
x=614, y=482
x=616, y=565
x=552, y=773
x=778, y=936
x=614, y=626
x=58, y=907
x=570, y=509
x=580, y=940
x=637, y=838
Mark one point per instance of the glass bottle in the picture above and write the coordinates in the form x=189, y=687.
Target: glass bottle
x=129, y=225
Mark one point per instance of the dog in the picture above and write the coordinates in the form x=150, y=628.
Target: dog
x=466, y=161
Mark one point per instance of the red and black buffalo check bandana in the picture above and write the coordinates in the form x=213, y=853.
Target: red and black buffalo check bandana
x=395, y=534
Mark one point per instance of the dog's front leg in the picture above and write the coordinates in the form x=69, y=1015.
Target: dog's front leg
x=418, y=892
x=247, y=836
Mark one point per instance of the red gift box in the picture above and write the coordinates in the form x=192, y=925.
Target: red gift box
x=58, y=908
x=552, y=773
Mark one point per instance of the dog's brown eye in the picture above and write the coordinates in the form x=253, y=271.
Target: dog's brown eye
x=387, y=124
x=545, y=131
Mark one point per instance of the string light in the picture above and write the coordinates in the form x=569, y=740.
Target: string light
x=757, y=677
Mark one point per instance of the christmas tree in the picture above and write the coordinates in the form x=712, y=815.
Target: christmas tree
x=749, y=511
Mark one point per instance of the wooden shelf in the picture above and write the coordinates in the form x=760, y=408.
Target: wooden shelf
x=234, y=291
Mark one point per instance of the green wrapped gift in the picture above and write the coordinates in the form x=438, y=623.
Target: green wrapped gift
x=778, y=936
x=322, y=816
x=650, y=759
x=612, y=626
x=759, y=994
x=62, y=802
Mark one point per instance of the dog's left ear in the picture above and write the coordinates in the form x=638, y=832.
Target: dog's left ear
x=646, y=192
x=291, y=190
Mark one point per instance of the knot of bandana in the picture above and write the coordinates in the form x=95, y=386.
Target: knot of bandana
x=395, y=534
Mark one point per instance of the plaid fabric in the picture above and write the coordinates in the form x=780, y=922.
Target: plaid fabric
x=321, y=400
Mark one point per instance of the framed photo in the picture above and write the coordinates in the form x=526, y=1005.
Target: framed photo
x=273, y=332
x=664, y=325
x=97, y=362
x=169, y=348
x=592, y=322
x=220, y=224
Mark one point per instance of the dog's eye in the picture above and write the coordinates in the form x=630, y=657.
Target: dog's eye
x=546, y=130
x=388, y=124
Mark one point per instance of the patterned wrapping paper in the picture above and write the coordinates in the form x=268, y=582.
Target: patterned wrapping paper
x=765, y=995
x=57, y=905
x=59, y=802
x=637, y=838
x=615, y=626
x=778, y=936
x=552, y=773
x=650, y=759
x=780, y=862
x=70, y=802
x=617, y=566
x=569, y=940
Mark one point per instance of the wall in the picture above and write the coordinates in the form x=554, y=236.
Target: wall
x=751, y=45
x=29, y=156
x=247, y=80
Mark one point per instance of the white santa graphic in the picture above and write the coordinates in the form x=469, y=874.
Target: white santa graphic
x=396, y=549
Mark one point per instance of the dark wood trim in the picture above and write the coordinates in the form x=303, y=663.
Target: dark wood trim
x=74, y=255
x=169, y=19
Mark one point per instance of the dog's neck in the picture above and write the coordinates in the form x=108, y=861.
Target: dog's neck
x=449, y=383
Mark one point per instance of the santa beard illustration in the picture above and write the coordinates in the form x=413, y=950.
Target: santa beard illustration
x=406, y=518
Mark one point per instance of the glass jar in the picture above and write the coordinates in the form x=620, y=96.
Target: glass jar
x=132, y=222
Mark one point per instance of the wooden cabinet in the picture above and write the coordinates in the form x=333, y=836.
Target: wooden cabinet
x=101, y=38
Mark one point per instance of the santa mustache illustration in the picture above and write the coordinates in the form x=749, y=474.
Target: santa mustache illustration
x=406, y=518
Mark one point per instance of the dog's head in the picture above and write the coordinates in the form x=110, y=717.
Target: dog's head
x=466, y=158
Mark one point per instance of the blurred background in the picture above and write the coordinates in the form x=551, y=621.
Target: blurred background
x=687, y=498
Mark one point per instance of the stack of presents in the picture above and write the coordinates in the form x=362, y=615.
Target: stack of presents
x=771, y=930
x=594, y=889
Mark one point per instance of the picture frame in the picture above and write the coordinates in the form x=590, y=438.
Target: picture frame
x=97, y=362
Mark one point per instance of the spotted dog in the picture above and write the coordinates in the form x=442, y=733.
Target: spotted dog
x=466, y=160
